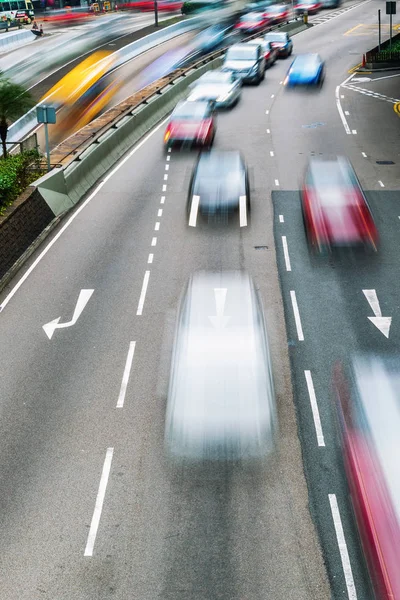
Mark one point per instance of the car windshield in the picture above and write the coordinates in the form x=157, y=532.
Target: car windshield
x=242, y=52
x=250, y=17
x=216, y=77
x=219, y=165
x=275, y=37
x=194, y=111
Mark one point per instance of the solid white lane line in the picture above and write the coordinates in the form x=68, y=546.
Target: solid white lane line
x=99, y=503
x=143, y=293
x=157, y=226
x=125, y=377
x=354, y=131
x=314, y=408
x=77, y=212
x=159, y=214
x=340, y=110
x=276, y=181
x=297, y=316
x=150, y=259
x=193, y=211
x=281, y=219
x=167, y=167
x=162, y=199
x=286, y=253
x=242, y=211
x=364, y=155
x=166, y=177
x=271, y=153
x=344, y=555
x=381, y=184
x=154, y=241
x=164, y=188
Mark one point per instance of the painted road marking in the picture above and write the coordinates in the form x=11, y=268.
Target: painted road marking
x=166, y=177
x=380, y=183
x=242, y=211
x=297, y=316
x=125, y=377
x=78, y=211
x=167, y=167
x=346, y=112
x=272, y=95
x=396, y=108
x=164, y=188
x=159, y=214
x=150, y=259
x=99, y=503
x=364, y=155
x=271, y=153
x=277, y=182
x=281, y=219
x=157, y=226
x=267, y=112
x=340, y=110
x=354, y=131
x=382, y=323
x=143, y=293
x=314, y=408
x=193, y=211
x=268, y=131
x=83, y=299
x=286, y=253
x=342, y=96
x=168, y=158
x=154, y=241
x=169, y=149
x=162, y=199
x=344, y=554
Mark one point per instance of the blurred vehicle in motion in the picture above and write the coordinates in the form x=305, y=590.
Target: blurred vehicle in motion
x=212, y=38
x=311, y=7
x=281, y=41
x=221, y=401
x=84, y=92
x=335, y=209
x=149, y=5
x=270, y=53
x=252, y=22
x=330, y=3
x=68, y=16
x=245, y=61
x=278, y=13
x=257, y=6
x=218, y=87
x=191, y=123
x=219, y=187
x=306, y=69
x=368, y=408
x=17, y=9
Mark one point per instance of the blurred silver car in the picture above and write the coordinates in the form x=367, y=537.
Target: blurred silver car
x=219, y=87
x=221, y=400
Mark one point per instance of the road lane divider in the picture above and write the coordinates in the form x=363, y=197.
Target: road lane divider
x=344, y=554
x=314, y=409
x=286, y=253
x=281, y=219
x=143, y=293
x=126, y=375
x=94, y=525
x=296, y=313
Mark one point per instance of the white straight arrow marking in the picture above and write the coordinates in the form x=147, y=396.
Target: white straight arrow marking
x=220, y=321
x=83, y=299
x=382, y=323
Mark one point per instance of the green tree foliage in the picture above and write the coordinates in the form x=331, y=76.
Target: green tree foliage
x=16, y=173
x=15, y=101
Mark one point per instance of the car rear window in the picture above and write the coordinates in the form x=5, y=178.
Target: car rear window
x=276, y=37
x=192, y=110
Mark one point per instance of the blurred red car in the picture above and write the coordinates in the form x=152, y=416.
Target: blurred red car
x=335, y=209
x=309, y=6
x=68, y=17
x=253, y=22
x=192, y=123
x=278, y=13
x=270, y=53
x=148, y=5
x=368, y=408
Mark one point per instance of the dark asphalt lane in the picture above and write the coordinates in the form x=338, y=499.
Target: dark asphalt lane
x=167, y=533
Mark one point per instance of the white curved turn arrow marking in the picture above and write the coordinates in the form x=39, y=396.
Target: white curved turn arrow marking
x=83, y=299
x=382, y=323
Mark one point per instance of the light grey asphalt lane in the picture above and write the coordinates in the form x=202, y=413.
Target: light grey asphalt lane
x=191, y=534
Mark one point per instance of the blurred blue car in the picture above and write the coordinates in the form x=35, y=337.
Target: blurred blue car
x=306, y=69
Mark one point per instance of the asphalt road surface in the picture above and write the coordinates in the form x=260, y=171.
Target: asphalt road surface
x=90, y=507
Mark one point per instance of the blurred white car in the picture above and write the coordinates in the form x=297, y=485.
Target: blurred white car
x=217, y=86
x=221, y=400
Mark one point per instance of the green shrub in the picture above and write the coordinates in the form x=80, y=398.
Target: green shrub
x=16, y=173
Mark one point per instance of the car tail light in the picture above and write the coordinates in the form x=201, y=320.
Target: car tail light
x=167, y=134
x=267, y=54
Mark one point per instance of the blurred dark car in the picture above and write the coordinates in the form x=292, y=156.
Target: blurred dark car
x=368, y=408
x=246, y=62
x=270, y=53
x=306, y=69
x=335, y=209
x=278, y=13
x=281, y=41
x=221, y=400
x=219, y=186
x=191, y=123
x=211, y=38
x=310, y=7
x=252, y=22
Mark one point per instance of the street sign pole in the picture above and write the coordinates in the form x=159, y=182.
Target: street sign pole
x=156, y=12
x=46, y=134
x=390, y=25
x=45, y=115
x=379, y=30
x=390, y=10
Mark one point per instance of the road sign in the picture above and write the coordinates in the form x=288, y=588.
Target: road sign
x=46, y=114
x=390, y=8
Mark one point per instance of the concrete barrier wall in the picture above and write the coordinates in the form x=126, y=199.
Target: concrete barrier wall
x=13, y=39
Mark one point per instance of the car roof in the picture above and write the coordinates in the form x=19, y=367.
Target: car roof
x=219, y=162
x=307, y=59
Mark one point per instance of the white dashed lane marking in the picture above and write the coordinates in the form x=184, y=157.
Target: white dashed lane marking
x=296, y=313
x=314, y=408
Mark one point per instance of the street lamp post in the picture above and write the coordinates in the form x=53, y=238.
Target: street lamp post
x=156, y=13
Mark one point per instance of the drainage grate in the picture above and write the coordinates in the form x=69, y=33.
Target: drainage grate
x=384, y=162
x=261, y=247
